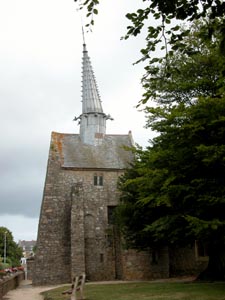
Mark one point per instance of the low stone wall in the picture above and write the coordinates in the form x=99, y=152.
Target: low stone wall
x=145, y=265
x=183, y=261
x=10, y=282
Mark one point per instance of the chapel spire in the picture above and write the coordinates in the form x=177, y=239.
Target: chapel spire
x=92, y=119
x=91, y=101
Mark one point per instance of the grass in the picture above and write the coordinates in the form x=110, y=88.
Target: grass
x=145, y=291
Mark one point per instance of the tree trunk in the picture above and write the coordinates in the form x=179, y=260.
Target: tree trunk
x=215, y=270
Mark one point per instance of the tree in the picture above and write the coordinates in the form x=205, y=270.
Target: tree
x=198, y=70
x=13, y=251
x=174, y=192
x=166, y=12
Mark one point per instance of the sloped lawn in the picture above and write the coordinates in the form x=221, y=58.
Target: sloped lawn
x=146, y=291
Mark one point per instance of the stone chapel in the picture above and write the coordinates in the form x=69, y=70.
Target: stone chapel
x=76, y=233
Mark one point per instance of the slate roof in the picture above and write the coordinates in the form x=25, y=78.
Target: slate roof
x=111, y=154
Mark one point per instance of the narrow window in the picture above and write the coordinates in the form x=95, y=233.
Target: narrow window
x=101, y=257
x=95, y=180
x=100, y=178
x=111, y=210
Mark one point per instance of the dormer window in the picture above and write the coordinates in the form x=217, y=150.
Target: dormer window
x=98, y=180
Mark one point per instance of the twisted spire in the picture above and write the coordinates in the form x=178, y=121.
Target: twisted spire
x=91, y=101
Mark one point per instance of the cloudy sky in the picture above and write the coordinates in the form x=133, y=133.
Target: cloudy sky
x=40, y=92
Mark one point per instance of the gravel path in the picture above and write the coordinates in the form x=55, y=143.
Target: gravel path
x=27, y=292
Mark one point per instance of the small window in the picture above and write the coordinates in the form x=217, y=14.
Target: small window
x=95, y=180
x=111, y=210
x=98, y=180
x=101, y=257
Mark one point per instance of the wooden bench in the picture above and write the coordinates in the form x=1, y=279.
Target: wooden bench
x=77, y=286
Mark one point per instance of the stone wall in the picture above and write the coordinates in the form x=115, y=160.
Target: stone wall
x=91, y=248
x=145, y=265
x=52, y=261
x=29, y=268
x=77, y=231
x=72, y=235
x=10, y=283
x=183, y=261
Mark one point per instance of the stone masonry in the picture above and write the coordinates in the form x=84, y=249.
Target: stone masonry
x=74, y=215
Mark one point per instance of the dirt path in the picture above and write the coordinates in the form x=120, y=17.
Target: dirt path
x=27, y=292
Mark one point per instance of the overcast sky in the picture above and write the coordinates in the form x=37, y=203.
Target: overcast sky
x=40, y=92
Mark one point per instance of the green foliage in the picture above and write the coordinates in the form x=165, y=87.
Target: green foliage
x=13, y=251
x=166, y=34
x=174, y=193
x=91, y=9
x=35, y=249
x=198, y=70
